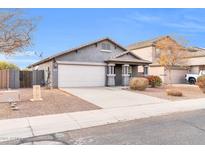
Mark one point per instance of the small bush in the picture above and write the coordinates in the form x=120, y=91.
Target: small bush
x=7, y=65
x=138, y=83
x=201, y=82
x=154, y=81
x=174, y=92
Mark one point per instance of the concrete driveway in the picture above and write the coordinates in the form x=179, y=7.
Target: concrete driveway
x=113, y=97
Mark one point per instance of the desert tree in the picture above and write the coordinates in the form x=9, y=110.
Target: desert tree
x=15, y=31
x=172, y=53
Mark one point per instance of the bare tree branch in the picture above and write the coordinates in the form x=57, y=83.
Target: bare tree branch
x=171, y=53
x=15, y=31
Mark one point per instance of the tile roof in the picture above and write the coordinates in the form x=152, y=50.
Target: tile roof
x=195, y=52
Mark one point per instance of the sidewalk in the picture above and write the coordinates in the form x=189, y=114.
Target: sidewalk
x=41, y=125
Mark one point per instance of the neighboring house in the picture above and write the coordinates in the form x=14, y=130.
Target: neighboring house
x=100, y=63
x=148, y=51
x=196, y=59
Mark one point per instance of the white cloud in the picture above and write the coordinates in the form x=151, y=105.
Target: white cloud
x=183, y=21
x=26, y=53
x=144, y=18
x=187, y=26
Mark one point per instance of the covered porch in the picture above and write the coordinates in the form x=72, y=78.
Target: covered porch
x=123, y=67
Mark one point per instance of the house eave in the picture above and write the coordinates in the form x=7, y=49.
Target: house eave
x=128, y=62
x=151, y=45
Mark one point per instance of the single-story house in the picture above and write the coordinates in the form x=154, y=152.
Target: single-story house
x=147, y=50
x=100, y=63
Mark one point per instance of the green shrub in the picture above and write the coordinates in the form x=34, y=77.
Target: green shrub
x=201, y=82
x=138, y=83
x=174, y=92
x=7, y=65
x=154, y=81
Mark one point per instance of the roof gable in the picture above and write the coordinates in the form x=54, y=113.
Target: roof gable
x=128, y=57
x=78, y=48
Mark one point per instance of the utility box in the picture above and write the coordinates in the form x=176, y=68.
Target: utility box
x=9, y=96
x=36, y=93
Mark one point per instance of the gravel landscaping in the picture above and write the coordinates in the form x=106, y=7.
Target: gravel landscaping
x=54, y=101
x=189, y=92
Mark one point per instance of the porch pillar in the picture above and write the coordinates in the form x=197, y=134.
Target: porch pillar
x=111, y=75
x=125, y=75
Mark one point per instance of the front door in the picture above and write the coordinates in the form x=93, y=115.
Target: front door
x=118, y=77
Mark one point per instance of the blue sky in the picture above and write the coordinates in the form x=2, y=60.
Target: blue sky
x=61, y=29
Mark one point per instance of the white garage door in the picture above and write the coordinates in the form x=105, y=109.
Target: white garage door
x=80, y=76
x=177, y=76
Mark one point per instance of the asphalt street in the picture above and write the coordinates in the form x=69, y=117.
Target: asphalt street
x=180, y=128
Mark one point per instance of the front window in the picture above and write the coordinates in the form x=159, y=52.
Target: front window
x=145, y=70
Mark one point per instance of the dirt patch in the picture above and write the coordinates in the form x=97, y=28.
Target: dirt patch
x=54, y=102
x=189, y=92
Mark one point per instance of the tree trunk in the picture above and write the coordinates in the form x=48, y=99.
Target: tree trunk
x=170, y=77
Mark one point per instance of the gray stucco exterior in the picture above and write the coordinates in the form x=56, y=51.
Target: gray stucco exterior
x=93, y=53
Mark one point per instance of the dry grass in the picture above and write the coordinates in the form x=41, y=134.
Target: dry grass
x=54, y=101
x=189, y=92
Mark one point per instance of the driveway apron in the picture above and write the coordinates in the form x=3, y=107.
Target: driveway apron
x=113, y=97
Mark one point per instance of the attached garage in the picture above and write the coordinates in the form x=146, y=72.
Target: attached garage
x=78, y=75
x=177, y=74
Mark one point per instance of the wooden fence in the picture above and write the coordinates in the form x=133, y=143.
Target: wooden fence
x=25, y=79
x=4, y=79
x=9, y=79
x=20, y=79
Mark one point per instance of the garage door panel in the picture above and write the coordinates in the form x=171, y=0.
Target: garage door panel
x=177, y=76
x=81, y=76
